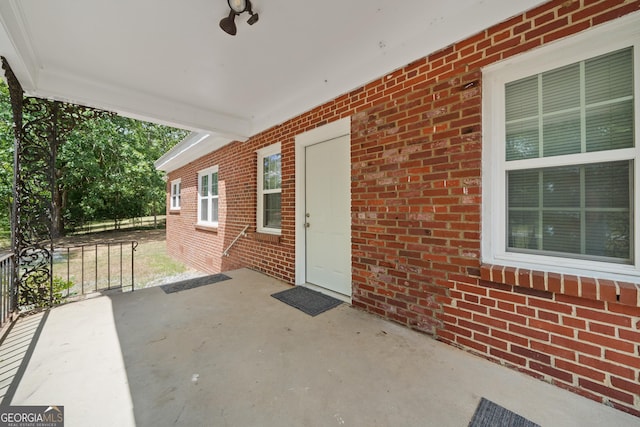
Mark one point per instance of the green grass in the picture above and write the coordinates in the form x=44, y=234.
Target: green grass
x=142, y=222
x=151, y=261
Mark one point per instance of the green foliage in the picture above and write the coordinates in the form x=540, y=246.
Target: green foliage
x=107, y=168
x=6, y=157
x=36, y=290
x=104, y=168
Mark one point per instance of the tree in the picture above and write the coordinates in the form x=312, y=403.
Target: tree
x=6, y=157
x=108, y=169
x=103, y=167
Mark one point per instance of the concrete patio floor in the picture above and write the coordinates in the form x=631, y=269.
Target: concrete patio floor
x=228, y=354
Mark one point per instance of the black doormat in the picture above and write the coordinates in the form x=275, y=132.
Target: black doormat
x=307, y=300
x=193, y=283
x=489, y=414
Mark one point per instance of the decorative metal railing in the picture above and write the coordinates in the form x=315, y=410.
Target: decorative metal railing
x=7, y=290
x=82, y=269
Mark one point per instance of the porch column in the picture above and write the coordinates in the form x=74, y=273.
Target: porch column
x=31, y=224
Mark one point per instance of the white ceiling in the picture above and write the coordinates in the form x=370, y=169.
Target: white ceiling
x=168, y=61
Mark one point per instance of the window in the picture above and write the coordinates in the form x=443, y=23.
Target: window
x=208, y=197
x=269, y=214
x=175, y=194
x=560, y=160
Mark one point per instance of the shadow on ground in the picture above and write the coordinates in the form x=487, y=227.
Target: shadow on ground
x=230, y=354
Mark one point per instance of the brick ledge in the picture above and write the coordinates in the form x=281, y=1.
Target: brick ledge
x=208, y=229
x=265, y=237
x=577, y=286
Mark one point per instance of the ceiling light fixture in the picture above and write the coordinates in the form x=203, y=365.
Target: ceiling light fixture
x=237, y=7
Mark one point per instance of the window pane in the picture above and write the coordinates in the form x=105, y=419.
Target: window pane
x=522, y=99
x=592, y=99
x=585, y=210
x=607, y=185
x=214, y=183
x=561, y=134
x=523, y=141
x=271, y=172
x=561, y=89
x=561, y=187
x=561, y=231
x=610, y=127
x=609, y=77
x=204, y=210
x=204, y=186
x=272, y=210
x=523, y=188
x=608, y=234
x=523, y=229
x=214, y=209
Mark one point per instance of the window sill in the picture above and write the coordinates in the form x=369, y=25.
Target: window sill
x=576, y=286
x=265, y=237
x=207, y=228
x=174, y=212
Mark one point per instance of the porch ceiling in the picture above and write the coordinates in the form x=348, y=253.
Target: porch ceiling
x=167, y=61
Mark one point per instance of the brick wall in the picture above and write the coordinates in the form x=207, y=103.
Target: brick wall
x=416, y=205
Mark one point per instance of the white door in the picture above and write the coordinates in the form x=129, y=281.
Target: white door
x=328, y=215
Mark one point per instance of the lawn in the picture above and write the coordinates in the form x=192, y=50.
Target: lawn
x=99, y=261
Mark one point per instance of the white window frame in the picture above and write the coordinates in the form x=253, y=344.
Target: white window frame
x=619, y=34
x=174, y=201
x=210, y=222
x=262, y=153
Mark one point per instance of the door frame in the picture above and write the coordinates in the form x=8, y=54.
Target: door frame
x=320, y=134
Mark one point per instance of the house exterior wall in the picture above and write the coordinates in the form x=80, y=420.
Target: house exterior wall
x=416, y=152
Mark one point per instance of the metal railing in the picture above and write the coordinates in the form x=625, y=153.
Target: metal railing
x=6, y=288
x=95, y=267
x=242, y=234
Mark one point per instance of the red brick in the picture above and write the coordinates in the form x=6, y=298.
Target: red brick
x=554, y=282
x=599, y=328
x=529, y=332
x=608, y=342
x=553, y=350
x=509, y=317
x=538, y=280
x=492, y=342
x=507, y=296
x=589, y=288
x=510, y=275
x=490, y=321
x=574, y=323
x=472, y=344
x=505, y=336
x=571, y=285
x=553, y=372
x=580, y=370
x=551, y=327
x=606, y=391
x=608, y=290
x=509, y=357
x=551, y=306
x=579, y=346
x=629, y=335
x=473, y=326
x=624, y=309
x=524, y=278
x=631, y=387
x=628, y=293
x=624, y=359
x=531, y=354
x=607, y=366
x=604, y=317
